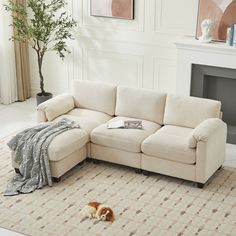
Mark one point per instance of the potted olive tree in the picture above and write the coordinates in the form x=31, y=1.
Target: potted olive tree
x=45, y=26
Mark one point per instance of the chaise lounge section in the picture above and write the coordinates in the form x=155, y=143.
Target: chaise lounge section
x=89, y=107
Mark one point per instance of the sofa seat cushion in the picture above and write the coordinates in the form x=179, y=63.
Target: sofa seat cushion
x=123, y=139
x=87, y=119
x=66, y=143
x=170, y=142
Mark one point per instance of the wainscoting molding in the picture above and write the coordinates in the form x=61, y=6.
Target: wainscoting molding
x=175, y=17
x=111, y=67
x=164, y=75
x=139, y=52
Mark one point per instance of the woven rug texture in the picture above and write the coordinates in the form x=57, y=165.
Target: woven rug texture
x=155, y=205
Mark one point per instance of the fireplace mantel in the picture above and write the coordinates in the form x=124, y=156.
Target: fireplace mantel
x=190, y=51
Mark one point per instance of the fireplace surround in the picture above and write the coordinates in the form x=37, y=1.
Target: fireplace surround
x=219, y=84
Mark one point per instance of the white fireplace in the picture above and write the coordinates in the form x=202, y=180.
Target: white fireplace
x=190, y=51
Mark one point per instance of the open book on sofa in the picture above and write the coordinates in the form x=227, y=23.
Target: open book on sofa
x=125, y=124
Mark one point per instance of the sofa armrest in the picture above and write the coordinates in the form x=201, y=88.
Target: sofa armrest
x=52, y=108
x=204, y=131
x=209, y=139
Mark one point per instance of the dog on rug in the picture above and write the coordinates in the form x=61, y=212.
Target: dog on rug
x=99, y=211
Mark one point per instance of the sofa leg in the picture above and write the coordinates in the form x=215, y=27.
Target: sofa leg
x=200, y=185
x=138, y=171
x=81, y=163
x=17, y=171
x=88, y=159
x=220, y=168
x=95, y=161
x=56, y=179
x=146, y=173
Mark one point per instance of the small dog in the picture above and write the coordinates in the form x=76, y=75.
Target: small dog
x=99, y=211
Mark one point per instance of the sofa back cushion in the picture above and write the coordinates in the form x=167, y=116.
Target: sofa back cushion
x=189, y=111
x=95, y=96
x=141, y=104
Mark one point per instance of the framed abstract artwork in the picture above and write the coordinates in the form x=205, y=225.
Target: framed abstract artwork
x=123, y=9
x=221, y=12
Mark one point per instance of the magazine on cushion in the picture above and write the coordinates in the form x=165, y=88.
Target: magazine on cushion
x=125, y=124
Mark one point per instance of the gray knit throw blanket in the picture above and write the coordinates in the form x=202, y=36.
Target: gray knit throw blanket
x=30, y=148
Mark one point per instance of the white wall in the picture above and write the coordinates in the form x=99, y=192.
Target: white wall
x=139, y=52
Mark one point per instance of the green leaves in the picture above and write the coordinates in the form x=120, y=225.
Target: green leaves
x=20, y=24
x=46, y=26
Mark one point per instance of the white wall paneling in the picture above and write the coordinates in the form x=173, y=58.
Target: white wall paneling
x=113, y=67
x=139, y=52
x=178, y=17
x=164, y=75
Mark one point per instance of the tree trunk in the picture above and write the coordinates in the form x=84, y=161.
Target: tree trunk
x=40, y=63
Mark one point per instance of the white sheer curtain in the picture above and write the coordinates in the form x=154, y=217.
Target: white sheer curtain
x=8, y=85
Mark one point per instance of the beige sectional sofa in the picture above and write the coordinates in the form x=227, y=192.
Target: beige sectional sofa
x=182, y=136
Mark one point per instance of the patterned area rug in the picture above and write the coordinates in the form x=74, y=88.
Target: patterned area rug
x=154, y=205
